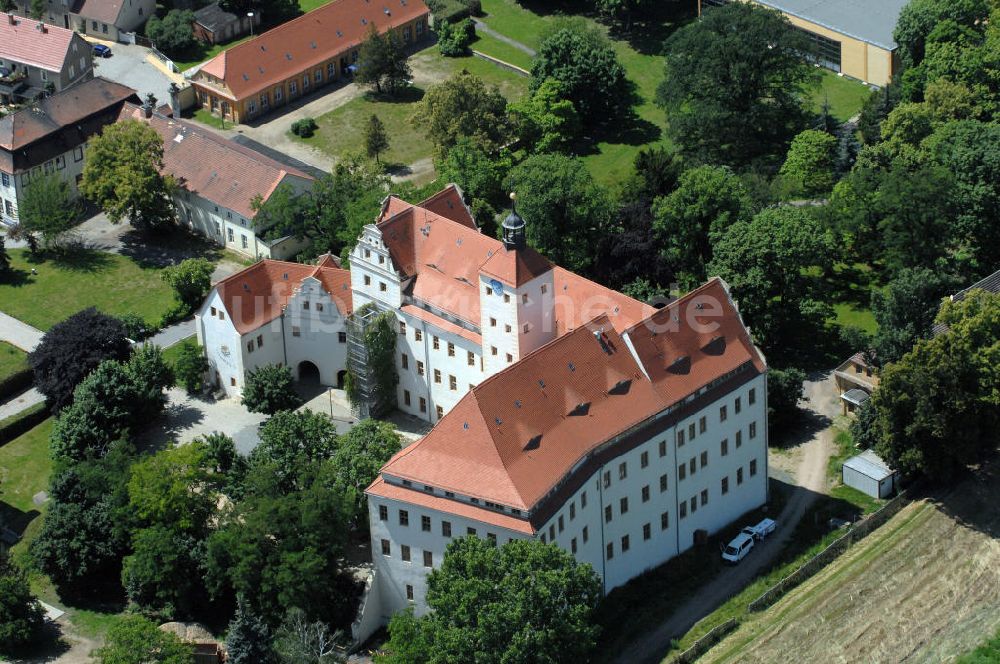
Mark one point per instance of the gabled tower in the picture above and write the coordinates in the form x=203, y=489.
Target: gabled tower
x=516, y=293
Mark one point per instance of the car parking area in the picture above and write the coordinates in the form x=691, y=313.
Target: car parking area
x=128, y=65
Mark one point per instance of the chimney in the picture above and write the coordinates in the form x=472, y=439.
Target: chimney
x=149, y=105
x=10, y=19
x=41, y=28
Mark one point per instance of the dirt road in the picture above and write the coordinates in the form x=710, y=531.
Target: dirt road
x=925, y=587
x=810, y=476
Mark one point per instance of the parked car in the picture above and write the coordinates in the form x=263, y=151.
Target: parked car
x=738, y=549
x=102, y=51
x=761, y=530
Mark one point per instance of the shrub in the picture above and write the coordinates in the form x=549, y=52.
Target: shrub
x=454, y=39
x=305, y=127
x=136, y=328
x=190, y=367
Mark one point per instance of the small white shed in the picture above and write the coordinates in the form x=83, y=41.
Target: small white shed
x=867, y=473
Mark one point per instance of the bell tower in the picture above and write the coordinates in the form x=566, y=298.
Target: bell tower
x=513, y=227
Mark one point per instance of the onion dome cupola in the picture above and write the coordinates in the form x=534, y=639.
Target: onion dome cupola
x=513, y=226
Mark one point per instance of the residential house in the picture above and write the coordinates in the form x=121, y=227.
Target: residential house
x=50, y=137
x=290, y=61
x=104, y=19
x=37, y=58
x=219, y=180
x=214, y=25
x=276, y=312
x=850, y=37
x=856, y=379
x=624, y=447
x=990, y=284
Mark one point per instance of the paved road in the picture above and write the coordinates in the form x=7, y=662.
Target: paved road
x=821, y=402
x=20, y=334
x=173, y=335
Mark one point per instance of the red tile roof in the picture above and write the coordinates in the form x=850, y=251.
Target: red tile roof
x=307, y=41
x=258, y=294
x=514, y=437
x=446, y=256
x=105, y=11
x=22, y=41
x=217, y=169
x=449, y=204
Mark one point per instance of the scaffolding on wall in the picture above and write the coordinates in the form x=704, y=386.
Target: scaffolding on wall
x=365, y=401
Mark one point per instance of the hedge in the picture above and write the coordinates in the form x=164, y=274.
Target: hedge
x=16, y=383
x=454, y=10
x=23, y=422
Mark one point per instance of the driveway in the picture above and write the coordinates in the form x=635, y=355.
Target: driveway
x=810, y=475
x=128, y=65
x=187, y=417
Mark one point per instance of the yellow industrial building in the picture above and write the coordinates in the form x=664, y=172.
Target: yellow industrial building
x=851, y=37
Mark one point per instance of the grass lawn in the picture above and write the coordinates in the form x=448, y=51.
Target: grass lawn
x=206, y=52
x=112, y=283
x=850, y=313
x=24, y=468
x=490, y=45
x=845, y=95
x=342, y=130
x=204, y=116
x=12, y=360
x=171, y=355
x=608, y=153
x=988, y=653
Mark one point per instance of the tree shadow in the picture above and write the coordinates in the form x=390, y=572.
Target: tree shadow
x=972, y=502
x=398, y=170
x=79, y=257
x=16, y=278
x=13, y=522
x=175, y=419
x=410, y=94
x=648, y=31
x=799, y=429
x=159, y=249
x=48, y=647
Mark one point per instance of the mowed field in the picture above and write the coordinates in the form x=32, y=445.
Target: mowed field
x=923, y=588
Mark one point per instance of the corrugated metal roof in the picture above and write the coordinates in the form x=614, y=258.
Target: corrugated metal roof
x=856, y=396
x=870, y=21
x=870, y=465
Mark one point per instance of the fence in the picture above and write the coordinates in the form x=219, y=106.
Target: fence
x=705, y=643
x=824, y=557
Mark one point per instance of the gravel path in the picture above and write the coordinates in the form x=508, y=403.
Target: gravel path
x=487, y=30
x=19, y=334
x=810, y=476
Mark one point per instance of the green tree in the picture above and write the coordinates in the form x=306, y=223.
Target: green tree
x=101, y=414
x=919, y=18
x=864, y=426
x=464, y=105
x=21, y=616
x=191, y=280
x=122, y=175
x=282, y=551
x=376, y=138
x=454, y=39
x=191, y=366
x=382, y=62
x=359, y=456
x=4, y=258
x=487, y=608
x=331, y=215
x=270, y=388
x=480, y=174
x=150, y=375
x=621, y=12
x=585, y=65
x=765, y=262
x=7, y=6
x=289, y=439
x=937, y=406
x=545, y=121
x=48, y=209
x=172, y=34
x=707, y=201
x=72, y=349
x=36, y=9
x=172, y=488
x=905, y=310
x=784, y=391
x=875, y=110
x=809, y=167
x=248, y=638
x=735, y=85
x=162, y=575
x=566, y=212
x=136, y=640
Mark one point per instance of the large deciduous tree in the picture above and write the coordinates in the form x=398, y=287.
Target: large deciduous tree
x=122, y=175
x=809, y=168
x=137, y=640
x=382, y=61
x=72, y=349
x=191, y=280
x=360, y=454
x=765, y=262
x=173, y=33
x=905, y=310
x=938, y=405
x=545, y=121
x=735, y=85
x=48, y=209
x=522, y=602
x=566, y=212
x=270, y=388
x=21, y=616
x=584, y=63
x=287, y=441
x=707, y=201
x=464, y=105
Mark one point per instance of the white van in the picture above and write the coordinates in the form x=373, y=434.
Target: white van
x=738, y=549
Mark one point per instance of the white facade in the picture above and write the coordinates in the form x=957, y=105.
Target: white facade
x=230, y=229
x=68, y=166
x=629, y=514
